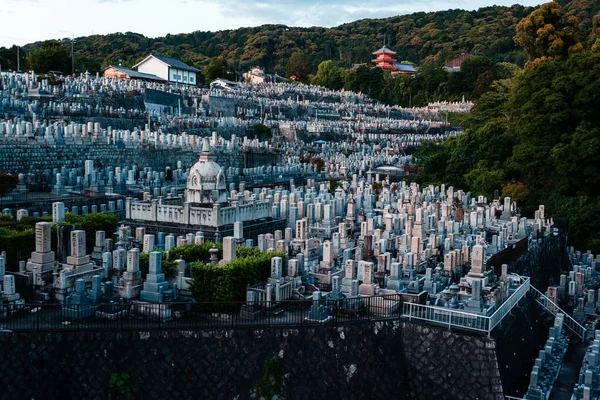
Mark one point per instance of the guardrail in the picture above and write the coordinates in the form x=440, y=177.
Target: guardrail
x=465, y=320
x=508, y=305
x=553, y=308
x=137, y=316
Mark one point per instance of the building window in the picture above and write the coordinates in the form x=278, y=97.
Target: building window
x=185, y=78
x=192, y=79
x=178, y=77
x=174, y=76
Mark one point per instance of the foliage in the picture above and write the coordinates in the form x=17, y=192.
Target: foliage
x=51, y=55
x=329, y=76
x=120, y=383
x=169, y=267
x=317, y=161
x=17, y=238
x=7, y=183
x=217, y=68
x=434, y=36
x=262, y=132
x=517, y=191
x=227, y=282
x=8, y=58
x=270, y=382
x=333, y=184
x=194, y=252
x=549, y=33
x=298, y=67
x=91, y=223
x=536, y=136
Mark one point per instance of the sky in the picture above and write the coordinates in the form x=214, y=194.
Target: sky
x=26, y=21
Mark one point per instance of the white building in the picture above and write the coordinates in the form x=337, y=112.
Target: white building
x=206, y=205
x=255, y=75
x=170, y=69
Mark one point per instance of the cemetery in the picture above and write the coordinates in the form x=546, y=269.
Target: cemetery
x=151, y=210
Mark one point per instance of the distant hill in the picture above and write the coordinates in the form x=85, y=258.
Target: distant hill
x=416, y=37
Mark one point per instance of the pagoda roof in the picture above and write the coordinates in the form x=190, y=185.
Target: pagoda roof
x=384, y=50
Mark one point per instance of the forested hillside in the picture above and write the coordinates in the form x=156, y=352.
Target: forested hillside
x=415, y=37
x=535, y=136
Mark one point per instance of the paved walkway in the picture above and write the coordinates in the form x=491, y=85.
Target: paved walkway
x=569, y=374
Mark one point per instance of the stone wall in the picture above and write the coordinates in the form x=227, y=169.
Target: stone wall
x=374, y=360
x=35, y=158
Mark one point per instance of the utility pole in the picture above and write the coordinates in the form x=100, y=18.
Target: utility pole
x=18, y=61
x=73, y=55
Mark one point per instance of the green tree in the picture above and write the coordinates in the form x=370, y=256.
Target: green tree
x=329, y=76
x=51, y=55
x=262, y=132
x=298, y=67
x=8, y=58
x=217, y=68
x=549, y=33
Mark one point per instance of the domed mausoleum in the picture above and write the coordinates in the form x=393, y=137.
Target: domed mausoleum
x=206, y=180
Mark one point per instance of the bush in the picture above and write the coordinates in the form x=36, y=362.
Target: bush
x=227, y=282
x=91, y=223
x=194, y=252
x=169, y=268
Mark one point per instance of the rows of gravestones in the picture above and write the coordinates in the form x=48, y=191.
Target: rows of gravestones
x=580, y=288
x=384, y=254
x=586, y=387
x=549, y=362
x=82, y=97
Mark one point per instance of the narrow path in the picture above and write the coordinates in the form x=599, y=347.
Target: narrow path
x=569, y=374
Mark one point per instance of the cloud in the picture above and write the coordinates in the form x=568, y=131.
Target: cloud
x=334, y=12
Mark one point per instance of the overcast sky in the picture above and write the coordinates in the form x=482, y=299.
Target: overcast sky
x=25, y=21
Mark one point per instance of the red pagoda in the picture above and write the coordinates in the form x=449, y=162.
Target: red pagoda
x=384, y=59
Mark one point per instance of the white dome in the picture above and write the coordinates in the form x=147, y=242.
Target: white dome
x=208, y=170
x=206, y=175
x=206, y=180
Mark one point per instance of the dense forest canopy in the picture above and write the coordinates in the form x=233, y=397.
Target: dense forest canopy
x=417, y=37
x=535, y=136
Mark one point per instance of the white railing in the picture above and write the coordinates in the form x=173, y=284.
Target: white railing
x=462, y=319
x=445, y=316
x=512, y=301
x=553, y=308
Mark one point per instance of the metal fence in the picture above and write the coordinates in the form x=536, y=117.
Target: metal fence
x=465, y=320
x=136, y=316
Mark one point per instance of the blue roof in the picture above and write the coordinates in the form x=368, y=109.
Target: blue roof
x=175, y=63
x=405, y=67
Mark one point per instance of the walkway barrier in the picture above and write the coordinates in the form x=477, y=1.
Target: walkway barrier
x=465, y=320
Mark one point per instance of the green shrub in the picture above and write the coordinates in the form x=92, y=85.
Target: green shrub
x=169, y=268
x=194, y=252
x=227, y=282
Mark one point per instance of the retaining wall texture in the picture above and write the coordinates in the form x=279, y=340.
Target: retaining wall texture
x=376, y=360
x=34, y=158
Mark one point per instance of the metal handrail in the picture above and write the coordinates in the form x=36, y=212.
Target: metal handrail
x=568, y=321
x=446, y=317
x=464, y=319
x=508, y=305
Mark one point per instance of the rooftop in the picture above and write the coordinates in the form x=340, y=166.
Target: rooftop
x=171, y=62
x=135, y=74
x=384, y=49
